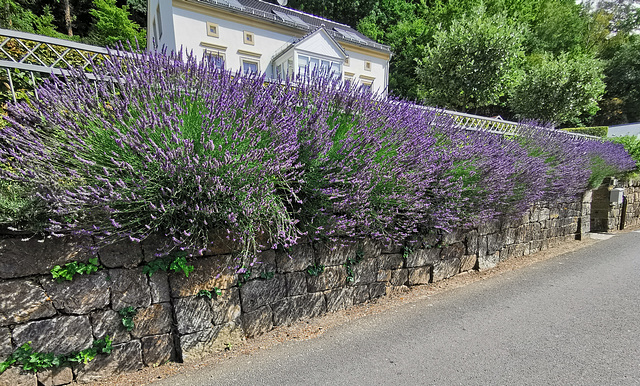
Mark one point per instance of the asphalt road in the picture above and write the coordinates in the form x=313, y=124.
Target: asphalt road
x=570, y=320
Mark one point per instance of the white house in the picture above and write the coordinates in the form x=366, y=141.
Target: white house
x=256, y=36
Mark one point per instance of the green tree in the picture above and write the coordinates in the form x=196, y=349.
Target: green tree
x=560, y=90
x=14, y=15
x=622, y=75
x=473, y=63
x=113, y=25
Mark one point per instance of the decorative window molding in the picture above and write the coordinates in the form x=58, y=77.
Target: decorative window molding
x=213, y=30
x=350, y=74
x=250, y=53
x=367, y=65
x=249, y=38
x=367, y=78
x=213, y=46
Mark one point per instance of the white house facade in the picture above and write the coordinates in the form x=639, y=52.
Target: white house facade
x=256, y=36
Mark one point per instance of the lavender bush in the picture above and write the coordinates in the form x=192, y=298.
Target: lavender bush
x=163, y=144
x=160, y=145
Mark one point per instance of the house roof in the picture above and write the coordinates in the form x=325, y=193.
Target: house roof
x=290, y=17
x=305, y=37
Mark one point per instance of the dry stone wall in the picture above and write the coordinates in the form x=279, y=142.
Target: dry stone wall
x=174, y=323
x=607, y=216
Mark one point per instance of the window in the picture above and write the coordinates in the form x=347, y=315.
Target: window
x=215, y=58
x=250, y=66
x=249, y=38
x=290, y=66
x=311, y=64
x=367, y=66
x=367, y=86
x=213, y=30
x=155, y=32
x=279, y=73
x=346, y=61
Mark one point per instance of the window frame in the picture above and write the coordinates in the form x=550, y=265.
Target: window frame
x=215, y=34
x=249, y=38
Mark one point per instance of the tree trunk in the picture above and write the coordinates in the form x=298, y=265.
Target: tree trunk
x=67, y=17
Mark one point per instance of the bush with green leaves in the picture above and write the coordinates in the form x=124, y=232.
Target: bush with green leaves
x=596, y=131
x=473, y=63
x=560, y=90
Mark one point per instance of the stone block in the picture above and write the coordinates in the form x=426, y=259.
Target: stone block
x=6, y=348
x=257, y=322
x=159, y=287
x=399, y=277
x=83, y=294
x=221, y=243
x=454, y=251
x=157, y=350
x=495, y=242
x=391, y=248
x=444, y=269
x=124, y=358
x=422, y=257
x=193, y=314
x=15, y=376
x=55, y=377
x=393, y=261
x=420, y=275
x=23, y=300
x=226, y=307
x=109, y=322
x=468, y=262
x=297, y=258
x=257, y=293
x=153, y=320
x=339, y=299
x=360, y=294
x=535, y=246
x=202, y=344
x=371, y=249
x=365, y=271
x=152, y=246
x=289, y=310
x=209, y=272
x=33, y=257
x=126, y=254
x=129, y=288
x=334, y=254
x=384, y=275
x=377, y=290
x=265, y=263
x=332, y=277
x=488, y=227
x=489, y=261
x=296, y=283
x=510, y=236
x=482, y=245
x=544, y=214
x=60, y=335
x=455, y=236
x=471, y=242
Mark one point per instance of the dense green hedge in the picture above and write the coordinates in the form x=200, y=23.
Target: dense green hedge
x=598, y=131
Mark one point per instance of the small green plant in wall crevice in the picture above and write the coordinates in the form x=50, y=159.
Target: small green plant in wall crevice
x=267, y=275
x=34, y=361
x=244, y=273
x=205, y=293
x=315, y=270
x=351, y=261
x=127, y=314
x=69, y=270
x=173, y=264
